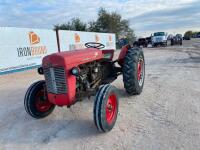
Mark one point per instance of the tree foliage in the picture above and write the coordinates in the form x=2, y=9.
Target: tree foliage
x=75, y=24
x=106, y=22
x=191, y=34
x=188, y=34
x=112, y=23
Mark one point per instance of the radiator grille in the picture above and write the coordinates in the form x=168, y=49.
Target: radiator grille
x=55, y=80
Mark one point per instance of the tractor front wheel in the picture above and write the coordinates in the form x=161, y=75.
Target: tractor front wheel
x=134, y=71
x=106, y=108
x=36, y=101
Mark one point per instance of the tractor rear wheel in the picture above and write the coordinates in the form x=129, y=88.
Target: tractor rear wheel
x=36, y=102
x=106, y=108
x=134, y=71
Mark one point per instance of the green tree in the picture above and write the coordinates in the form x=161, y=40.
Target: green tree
x=111, y=23
x=93, y=26
x=188, y=34
x=107, y=22
x=74, y=24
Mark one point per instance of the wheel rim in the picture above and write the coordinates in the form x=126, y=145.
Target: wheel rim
x=42, y=104
x=111, y=108
x=140, y=74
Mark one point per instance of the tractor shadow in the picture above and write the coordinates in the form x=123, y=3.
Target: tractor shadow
x=51, y=129
x=123, y=94
x=78, y=129
x=76, y=123
x=17, y=127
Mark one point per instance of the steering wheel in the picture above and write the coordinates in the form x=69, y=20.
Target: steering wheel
x=94, y=45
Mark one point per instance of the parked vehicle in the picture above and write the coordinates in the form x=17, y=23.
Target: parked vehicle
x=135, y=44
x=149, y=40
x=198, y=35
x=170, y=36
x=142, y=42
x=159, y=38
x=122, y=42
x=70, y=76
x=177, y=40
x=186, y=38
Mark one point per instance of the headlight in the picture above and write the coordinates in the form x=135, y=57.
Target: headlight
x=75, y=71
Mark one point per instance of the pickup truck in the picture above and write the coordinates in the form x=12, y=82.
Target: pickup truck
x=159, y=38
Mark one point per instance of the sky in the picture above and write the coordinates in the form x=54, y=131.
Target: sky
x=145, y=16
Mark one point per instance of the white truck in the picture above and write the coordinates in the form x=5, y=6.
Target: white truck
x=159, y=38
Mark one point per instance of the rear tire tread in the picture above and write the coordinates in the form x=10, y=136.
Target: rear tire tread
x=129, y=71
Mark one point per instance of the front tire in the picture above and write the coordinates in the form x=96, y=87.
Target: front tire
x=106, y=108
x=172, y=42
x=36, y=102
x=165, y=44
x=134, y=71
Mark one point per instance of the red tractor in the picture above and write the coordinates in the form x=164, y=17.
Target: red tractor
x=72, y=75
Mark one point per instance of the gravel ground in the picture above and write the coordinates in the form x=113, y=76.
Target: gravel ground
x=166, y=116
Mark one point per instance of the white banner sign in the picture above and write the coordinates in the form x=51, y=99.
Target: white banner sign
x=71, y=40
x=22, y=48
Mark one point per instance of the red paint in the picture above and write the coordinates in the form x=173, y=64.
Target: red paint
x=110, y=51
x=140, y=67
x=139, y=71
x=111, y=108
x=42, y=104
x=123, y=54
x=74, y=58
x=68, y=60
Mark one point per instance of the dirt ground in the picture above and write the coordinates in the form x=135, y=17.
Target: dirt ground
x=166, y=116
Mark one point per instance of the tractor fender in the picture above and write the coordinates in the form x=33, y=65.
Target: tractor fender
x=122, y=54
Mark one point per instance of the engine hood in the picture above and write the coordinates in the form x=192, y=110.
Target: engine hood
x=74, y=57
